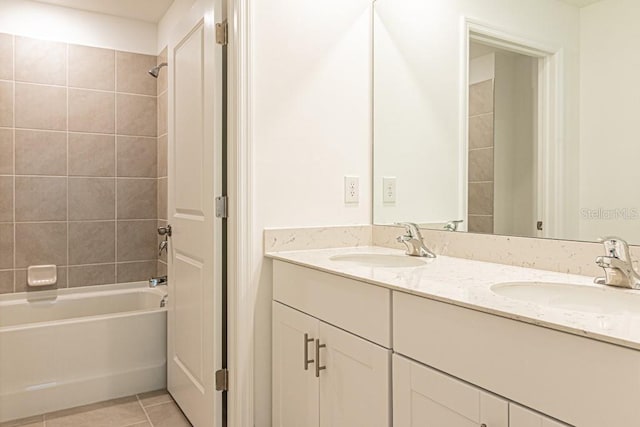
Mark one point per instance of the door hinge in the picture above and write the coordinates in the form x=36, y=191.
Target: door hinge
x=222, y=207
x=222, y=380
x=222, y=33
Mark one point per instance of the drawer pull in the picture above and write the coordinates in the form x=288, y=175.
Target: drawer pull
x=307, y=340
x=318, y=367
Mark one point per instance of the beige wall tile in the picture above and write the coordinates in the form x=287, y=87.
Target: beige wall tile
x=137, y=156
x=133, y=73
x=480, y=224
x=90, y=275
x=6, y=151
x=41, y=199
x=161, y=268
x=162, y=156
x=163, y=210
x=6, y=198
x=6, y=57
x=481, y=98
x=481, y=198
x=137, y=240
x=21, y=284
x=167, y=415
x=40, y=61
x=92, y=68
x=41, y=107
x=6, y=282
x=92, y=198
x=481, y=165
x=136, y=115
x=115, y=413
x=136, y=271
x=6, y=246
x=162, y=77
x=136, y=198
x=92, y=242
x=92, y=155
x=41, y=153
x=91, y=111
x=481, y=131
x=6, y=104
x=41, y=243
x=163, y=113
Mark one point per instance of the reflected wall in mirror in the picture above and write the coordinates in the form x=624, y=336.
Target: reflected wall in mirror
x=515, y=116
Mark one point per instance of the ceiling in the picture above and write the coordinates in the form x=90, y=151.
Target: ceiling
x=581, y=3
x=143, y=10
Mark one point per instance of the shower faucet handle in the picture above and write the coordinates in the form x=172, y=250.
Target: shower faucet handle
x=165, y=231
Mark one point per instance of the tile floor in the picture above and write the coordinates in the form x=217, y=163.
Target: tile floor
x=154, y=409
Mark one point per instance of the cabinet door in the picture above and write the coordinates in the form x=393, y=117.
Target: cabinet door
x=355, y=387
x=424, y=397
x=523, y=417
x=295, y=390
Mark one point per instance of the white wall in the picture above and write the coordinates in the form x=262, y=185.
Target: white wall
x=418, y=90
x=45, y=21
x=173, y=15
x=311, y=120
x=610, y=102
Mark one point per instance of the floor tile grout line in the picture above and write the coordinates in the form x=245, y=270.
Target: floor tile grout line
x=146, y=414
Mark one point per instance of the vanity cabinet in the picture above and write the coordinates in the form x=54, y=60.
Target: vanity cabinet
x=342, y=348
x=322, y=374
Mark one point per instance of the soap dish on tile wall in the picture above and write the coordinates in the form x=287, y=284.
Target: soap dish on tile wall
x=42, y=275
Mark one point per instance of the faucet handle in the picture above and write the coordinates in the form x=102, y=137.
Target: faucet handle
x=616, y=247
x=412, y=229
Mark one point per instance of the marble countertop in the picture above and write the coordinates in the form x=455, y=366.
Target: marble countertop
x=467, y=283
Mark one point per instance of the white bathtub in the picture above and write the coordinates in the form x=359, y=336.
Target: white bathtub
x=76, y=346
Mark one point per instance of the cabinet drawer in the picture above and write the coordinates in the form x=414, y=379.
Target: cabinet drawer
x=358, y=307
x=578, y=380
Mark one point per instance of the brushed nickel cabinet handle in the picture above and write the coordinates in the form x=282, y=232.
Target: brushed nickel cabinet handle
x=307, y=340
x=318, y=367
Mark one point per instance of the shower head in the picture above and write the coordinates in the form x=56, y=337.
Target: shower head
x=156, y=70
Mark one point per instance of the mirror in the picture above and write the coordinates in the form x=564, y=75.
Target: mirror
x=515, y=117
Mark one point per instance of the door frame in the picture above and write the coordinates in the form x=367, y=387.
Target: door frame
x=242, y=262
x=549, y=130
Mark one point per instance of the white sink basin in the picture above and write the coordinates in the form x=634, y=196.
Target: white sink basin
x=590, y=299
x=379, y=260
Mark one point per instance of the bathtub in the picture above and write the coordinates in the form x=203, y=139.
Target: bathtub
x=70, y=347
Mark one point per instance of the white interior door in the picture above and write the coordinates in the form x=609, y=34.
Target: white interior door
x=195, y=144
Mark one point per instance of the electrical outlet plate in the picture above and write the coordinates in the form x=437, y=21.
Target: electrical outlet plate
x=351, y=189
x=389, y=189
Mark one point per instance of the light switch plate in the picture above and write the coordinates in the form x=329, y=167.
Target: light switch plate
x=389, y=189
x=351, y=189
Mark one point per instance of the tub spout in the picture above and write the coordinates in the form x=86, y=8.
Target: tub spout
x=156, y=281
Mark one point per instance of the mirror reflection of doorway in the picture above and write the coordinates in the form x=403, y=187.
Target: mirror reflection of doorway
x=503, y=141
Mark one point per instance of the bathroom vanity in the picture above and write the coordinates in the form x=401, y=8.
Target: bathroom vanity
x=369, y=337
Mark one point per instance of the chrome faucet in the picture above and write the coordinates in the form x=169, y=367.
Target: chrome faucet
x=617, y=265
x=413, y=241
x=157, y=281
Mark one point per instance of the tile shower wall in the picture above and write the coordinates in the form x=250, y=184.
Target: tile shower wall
x=78, y=163
x=481, y=155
